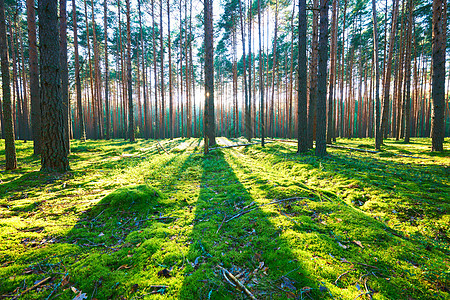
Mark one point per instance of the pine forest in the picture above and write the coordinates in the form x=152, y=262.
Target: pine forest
x=227, y=149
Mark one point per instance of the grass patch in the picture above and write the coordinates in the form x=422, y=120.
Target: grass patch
x=129, y=221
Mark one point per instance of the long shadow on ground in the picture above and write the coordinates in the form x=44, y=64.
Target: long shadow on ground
x=249, y=246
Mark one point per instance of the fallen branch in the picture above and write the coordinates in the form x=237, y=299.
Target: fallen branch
x=340, y=276
x=34, y=286
x=236, y=282
x=162, y=147
x=221, y=223
x=258, y=206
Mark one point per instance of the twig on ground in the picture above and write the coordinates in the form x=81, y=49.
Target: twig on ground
x=33, y=287
x=237, y=283
x=243, y=212
x=220, y=226
x=162, y=147
x=340, y=276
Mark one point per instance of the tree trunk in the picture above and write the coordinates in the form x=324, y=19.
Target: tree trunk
x=171, y=115
x=81, y=126
x=8, y=124
x=261, y=83
x=378, y=134
x=388, y=71
x=64, y=71
x=312, y=107
x=34, y=77
x=209, y=76
x=157, y=128
x=129, y=78
x=438, y=92
x=54, y=152
x=302, y=79
x=333, y=53
x=107, y=104
x=162, y=122
x=407, y=132
x=321, y=146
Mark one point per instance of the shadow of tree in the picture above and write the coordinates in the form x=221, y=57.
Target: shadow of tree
x=249, y=244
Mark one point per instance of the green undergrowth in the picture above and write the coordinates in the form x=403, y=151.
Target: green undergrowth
x=130, y=221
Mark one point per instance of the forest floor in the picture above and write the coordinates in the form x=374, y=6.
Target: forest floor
x=130, y=221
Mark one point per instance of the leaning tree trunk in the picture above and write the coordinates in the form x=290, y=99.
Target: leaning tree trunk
x=34, y=78
x=302, y=78
x=129, y=79
x=438, y=85
x=54, y=151
x=10, y=149
x=321, y=145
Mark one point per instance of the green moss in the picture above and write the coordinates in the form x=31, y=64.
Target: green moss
x=126, y=212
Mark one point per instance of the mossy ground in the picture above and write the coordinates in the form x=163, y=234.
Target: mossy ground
x=375, y=224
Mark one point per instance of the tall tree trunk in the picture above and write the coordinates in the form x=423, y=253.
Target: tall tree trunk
x=302, y=79
x=244, y=57
x=438, y=92
x=388, y=71
x=97, y=85
x=407, y=132
x=333, y=53
x=162, y=122
x=209, y=77
x=157, y=128
x=129, y=78
x=312, y=108
x=8, y=124
x=107, y=104
x=378, y=134
x=261, y=83
x=341, y=109
x=81, y=126
x=54, y=152
x=94, y=115
x=249, y=101
x=64, y=71
x=34, y=78
x=171, y=114
x=321, y=146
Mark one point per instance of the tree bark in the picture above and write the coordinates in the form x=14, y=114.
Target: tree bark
x=378, y=134
x=209, y=76
x=438, y=90
x=388, y=71
x=64, y=71
x=8, y=129
x=107, y=104
x=81, y=124
x=129, y=78
x=333, y=53
x=312, y=107
x=321, y=146
x=54, y=152
x=302, y=79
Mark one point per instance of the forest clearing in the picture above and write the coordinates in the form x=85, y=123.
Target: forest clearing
x=133, y=221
